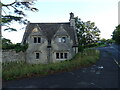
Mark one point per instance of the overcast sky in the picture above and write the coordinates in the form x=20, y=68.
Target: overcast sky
x=103, y=12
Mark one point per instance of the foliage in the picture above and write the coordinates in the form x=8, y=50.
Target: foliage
x=87, y=32
x=19, y=47
x=8, y=45
x=109, y=41
x=14, y=70
x=116, y=34
x=103, y=40
x=16, y=12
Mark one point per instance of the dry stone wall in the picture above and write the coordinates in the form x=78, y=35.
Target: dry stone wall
x=11, y=55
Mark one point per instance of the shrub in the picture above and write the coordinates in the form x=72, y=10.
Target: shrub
x=8, y=45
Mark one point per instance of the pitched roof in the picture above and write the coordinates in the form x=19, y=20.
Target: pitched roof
x=49, y=30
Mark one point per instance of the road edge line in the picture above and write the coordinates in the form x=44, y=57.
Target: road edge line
x=116, y=62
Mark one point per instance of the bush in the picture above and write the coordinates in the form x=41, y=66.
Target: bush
x=80, y=48
x=8, y=45
x=17, y=47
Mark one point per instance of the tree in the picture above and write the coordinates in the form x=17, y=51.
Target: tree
x=6, y=41
x=80, y=27
x=103, y=41
x=116, y=34
x=8, y=45
x=16, y=12
x=87, y=32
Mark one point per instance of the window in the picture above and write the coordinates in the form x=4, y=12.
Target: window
x=65, y=55
x=62, y=39
x=57, y=55
x=37, y=55
x=59, y=39
x=61, y=55
x=37, y=40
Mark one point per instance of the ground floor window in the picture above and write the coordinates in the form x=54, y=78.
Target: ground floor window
x=65, y=55
x=57, y=55
x=61, y=55
x=37, y=55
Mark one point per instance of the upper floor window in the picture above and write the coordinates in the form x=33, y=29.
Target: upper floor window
x=37, y=39
x=62, y=39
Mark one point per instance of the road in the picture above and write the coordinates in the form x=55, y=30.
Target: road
x=104, y=74
x=114, y=52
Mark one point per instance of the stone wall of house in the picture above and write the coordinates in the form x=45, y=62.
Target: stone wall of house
x=11, y=55
x=34, y=48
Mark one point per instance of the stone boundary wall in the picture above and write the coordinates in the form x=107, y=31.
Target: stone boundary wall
x=11, y=55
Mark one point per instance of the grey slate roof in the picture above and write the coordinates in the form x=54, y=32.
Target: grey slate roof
x=49, y=30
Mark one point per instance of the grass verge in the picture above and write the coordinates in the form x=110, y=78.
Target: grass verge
x=16, y=70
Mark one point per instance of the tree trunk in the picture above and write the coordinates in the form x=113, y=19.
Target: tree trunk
x=0, y=49
x=0, y=26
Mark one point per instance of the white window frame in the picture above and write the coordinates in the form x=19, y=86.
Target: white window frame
x=62, y=39
x=59, y=39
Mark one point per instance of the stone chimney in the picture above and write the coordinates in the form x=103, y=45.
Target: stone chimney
x=72, y=20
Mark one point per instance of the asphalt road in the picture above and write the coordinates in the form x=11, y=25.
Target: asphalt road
x=104, y=74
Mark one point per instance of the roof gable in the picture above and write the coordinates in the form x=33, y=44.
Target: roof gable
x=37, y=31
x=61, y=31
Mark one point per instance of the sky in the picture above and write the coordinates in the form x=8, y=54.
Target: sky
x=103, y=12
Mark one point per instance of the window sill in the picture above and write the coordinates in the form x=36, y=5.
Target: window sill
x=61, y=59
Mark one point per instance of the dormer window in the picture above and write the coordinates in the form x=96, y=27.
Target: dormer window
x=62, y=39
x=37, y=39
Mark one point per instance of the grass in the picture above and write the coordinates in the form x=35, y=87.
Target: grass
x=16, y=70
x=0, y=70
x=101, y=45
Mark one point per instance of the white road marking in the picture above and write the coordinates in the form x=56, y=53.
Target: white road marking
x=116, y=62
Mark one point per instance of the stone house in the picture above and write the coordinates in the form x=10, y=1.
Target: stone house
x=50, y=42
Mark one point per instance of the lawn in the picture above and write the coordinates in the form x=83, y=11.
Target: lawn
x=16, y=70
